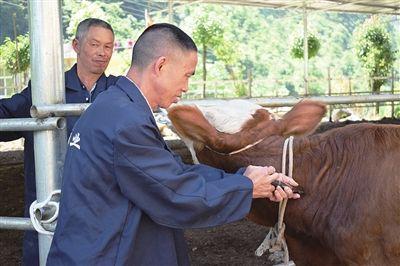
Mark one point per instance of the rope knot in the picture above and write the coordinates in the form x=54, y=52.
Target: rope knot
x=45, y=212
x=275, y=243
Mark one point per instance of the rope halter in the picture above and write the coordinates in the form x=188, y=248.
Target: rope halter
x=275, y=241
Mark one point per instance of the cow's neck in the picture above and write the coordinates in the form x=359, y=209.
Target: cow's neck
x=313, y=163
x=309, y=164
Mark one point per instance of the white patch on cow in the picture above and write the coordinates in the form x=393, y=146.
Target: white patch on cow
x=230, y=116
x=190, y=146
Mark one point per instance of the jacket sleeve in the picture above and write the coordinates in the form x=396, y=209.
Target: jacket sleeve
x=171, y=194
x=201, y=169
x=18, y=106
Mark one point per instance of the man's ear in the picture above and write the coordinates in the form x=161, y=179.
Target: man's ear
x=159, y=64
x=75, y=45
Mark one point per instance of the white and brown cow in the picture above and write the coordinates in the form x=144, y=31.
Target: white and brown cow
x=350, y=213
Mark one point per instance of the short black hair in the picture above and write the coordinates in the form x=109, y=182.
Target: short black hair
x=84, y=26
x=155, y=39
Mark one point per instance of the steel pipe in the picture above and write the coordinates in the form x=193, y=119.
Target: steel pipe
x=21, y=223
x=16, y=223
x=47, y=73
x=290, y=101
x=43, y=111
x=77, y=109
x=32, y=124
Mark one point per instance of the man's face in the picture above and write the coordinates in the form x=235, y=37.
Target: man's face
x=174, y=79
x=94, y=50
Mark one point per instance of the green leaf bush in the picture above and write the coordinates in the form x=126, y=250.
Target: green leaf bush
x=373, y=49
x=298, y=47
x=8, y=54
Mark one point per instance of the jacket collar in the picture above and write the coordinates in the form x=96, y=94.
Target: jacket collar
x=73, y=82
x=132, y=91
x=135, y=95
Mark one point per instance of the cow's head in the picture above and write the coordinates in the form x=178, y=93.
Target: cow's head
x=197, y=131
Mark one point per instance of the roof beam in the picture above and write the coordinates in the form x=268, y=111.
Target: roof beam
x=356, y=6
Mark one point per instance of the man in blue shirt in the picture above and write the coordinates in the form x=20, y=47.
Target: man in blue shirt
x=126, y=198
x=93, y=43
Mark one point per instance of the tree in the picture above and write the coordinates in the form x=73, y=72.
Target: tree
x=228, y=55
x=208, y=33
x=258, y=41
x=15, y=56
x=125, y=26
x=9, y=26
x=374, y=50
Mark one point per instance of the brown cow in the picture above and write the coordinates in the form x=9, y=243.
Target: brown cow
x=350, y=213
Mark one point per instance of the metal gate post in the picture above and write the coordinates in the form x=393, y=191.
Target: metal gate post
x=47, y=88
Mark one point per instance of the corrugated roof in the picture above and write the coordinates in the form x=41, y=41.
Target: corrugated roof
x=353, y=6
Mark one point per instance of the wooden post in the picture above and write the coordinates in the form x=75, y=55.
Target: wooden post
x=330, y=92
x=392, y=90
x=305, y=47
x=350, y=92
x=250, y=81
x=170, y=11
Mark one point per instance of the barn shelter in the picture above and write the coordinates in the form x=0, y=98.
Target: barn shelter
x=389, y=7
x=49, y=107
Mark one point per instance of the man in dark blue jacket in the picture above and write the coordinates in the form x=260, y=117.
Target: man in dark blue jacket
x=125, y=196
x=93, y=43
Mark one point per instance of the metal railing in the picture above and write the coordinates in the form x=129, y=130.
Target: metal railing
x=279, y=87
x=50, y=138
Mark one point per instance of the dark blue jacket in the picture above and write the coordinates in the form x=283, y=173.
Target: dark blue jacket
x=126, y=197
x=18, y=106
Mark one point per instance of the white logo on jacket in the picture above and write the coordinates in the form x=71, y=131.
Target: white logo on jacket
x=75, y=140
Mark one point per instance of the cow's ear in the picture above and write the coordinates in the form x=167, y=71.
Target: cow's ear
x=190, y=123
x=303, y=118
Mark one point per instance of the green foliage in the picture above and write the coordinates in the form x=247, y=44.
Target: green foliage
x=9, y=54
x=225, y=51
x=13, y=11
x=257, y=40
x=374, y=50
x=125, y=26
x=208, y=34
x=208, y=31
x=298, y=47
x=397, y=112
x=291, y=89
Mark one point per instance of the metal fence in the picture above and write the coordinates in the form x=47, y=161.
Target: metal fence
x=273, y=88
x=49, y=133
x=10, y=84
x=289, y=86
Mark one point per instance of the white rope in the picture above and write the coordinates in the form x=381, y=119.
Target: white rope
x=236, y=151
x=38, y=205
x=282, y=204
x=275, y=241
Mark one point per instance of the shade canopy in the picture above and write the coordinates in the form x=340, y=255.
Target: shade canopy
x=354, y=6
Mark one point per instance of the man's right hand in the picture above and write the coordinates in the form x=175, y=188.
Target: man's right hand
x=262, y=178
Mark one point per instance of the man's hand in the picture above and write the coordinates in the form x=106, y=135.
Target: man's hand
x=262, y=178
